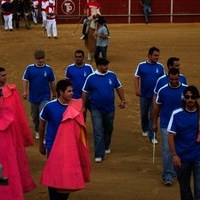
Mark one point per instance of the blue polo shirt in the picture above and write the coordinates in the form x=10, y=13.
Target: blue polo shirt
x=170, y=99
x=39, y=79
x=163, y=80
x=149, y=74
x=101, y=89
x=77, y=76
x=52, y=113
x=185, y=125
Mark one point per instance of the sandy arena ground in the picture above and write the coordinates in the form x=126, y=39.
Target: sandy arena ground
x=128, y=172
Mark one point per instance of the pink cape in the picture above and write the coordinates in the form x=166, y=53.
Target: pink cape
x=15, y=134
x=68, y=165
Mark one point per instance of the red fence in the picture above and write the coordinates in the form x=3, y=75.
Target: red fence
x=130, y=11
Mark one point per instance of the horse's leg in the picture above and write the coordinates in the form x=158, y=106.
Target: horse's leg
x=89, y=56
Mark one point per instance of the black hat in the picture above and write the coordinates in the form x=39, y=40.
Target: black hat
x=101, y=20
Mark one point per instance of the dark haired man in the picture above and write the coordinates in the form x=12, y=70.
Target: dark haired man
x=62, y=124
x=145, y=78
x=100, y=86
x=77, y=73
x=172, y=62
x=184, y=138
x=169, y=97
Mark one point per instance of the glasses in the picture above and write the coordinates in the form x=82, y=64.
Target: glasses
x=190, y=97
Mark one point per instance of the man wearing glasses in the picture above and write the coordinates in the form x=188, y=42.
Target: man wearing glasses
x=184, y=142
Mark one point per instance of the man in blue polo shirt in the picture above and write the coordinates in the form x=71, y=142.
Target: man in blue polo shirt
x=145, y=78
x=100, y=86
x=77, y=73
x=172, y=62
x=184, y=142
x=40, y=80
x=169, y=97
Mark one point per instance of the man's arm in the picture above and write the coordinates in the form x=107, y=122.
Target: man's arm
x=176, y=158
x=42, y=126
x=137, y=86
x=53, y=89
x=120, y=93
x=25, y=89
x=156, y=111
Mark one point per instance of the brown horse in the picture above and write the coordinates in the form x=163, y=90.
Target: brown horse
x=90, y=41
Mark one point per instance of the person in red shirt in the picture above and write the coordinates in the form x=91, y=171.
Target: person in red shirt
x=51, y=20
x=92, y=10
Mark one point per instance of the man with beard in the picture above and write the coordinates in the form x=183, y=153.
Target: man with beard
x=184, y=138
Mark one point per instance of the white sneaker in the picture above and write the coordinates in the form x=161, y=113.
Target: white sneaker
x=37, y=136
x=145, y=134
x=98, y=160
x=82, y=37
x=107, y=151
x=154, y=141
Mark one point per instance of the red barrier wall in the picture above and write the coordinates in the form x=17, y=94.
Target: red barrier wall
x=130, y=11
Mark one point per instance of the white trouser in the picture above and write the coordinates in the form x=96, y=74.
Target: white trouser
x=51, y=28
x=8, y=24
x=44, y=19
x=35, y=15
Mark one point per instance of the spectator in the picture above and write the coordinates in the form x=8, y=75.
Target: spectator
x=146, y=5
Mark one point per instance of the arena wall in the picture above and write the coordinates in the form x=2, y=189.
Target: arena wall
x=130, y=11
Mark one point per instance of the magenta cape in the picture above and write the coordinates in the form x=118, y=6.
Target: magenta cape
x=68, y=165
x=15, y=134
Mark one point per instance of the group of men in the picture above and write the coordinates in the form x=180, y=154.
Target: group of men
x=59, y=114
x=167, y=97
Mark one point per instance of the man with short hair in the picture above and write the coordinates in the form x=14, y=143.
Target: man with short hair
x=145, y=77
x=62, y=125
x=172, y=62
x=77, y=73
x=169, y=98
x=100, y=86
x=39, y=79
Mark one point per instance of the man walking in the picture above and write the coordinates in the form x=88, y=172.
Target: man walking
x=39, y=79
x=169, y=98
x=100, y=87
x=146, y=76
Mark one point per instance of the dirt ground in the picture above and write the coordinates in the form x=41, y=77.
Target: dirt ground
x=128, y=172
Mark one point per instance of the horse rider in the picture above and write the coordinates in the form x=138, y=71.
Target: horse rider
x=92, y=10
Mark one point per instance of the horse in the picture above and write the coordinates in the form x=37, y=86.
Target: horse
x=90, y=41
x=22, y=9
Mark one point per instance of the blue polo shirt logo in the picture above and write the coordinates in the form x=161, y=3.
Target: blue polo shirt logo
x=85, y=74
x=45, y=74
x=110, y=81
